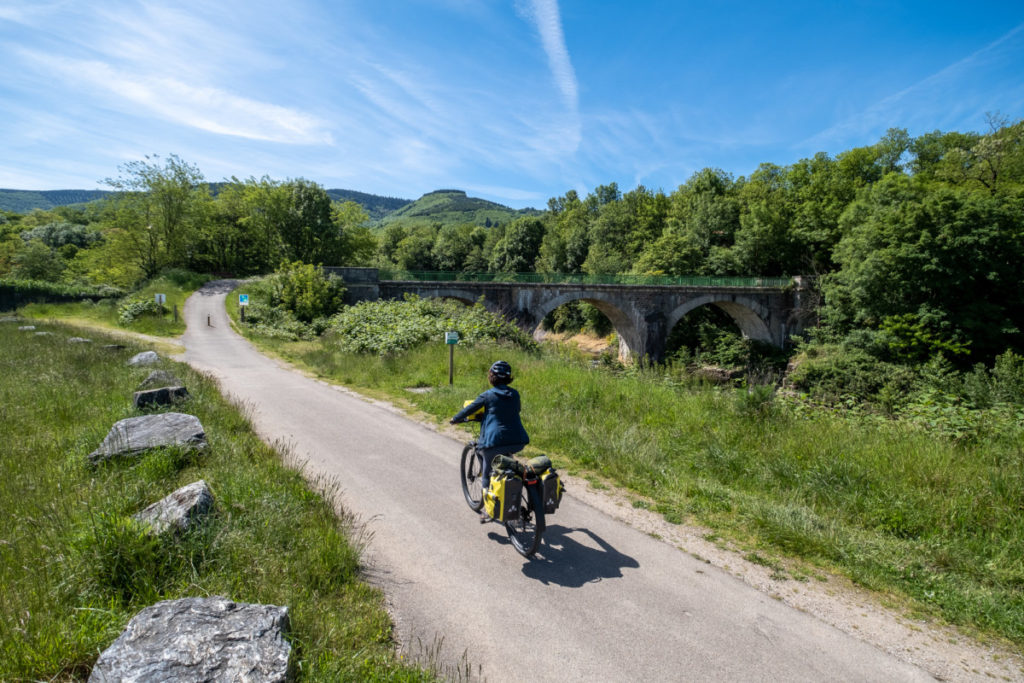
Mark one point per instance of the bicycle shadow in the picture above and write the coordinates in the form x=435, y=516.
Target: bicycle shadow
x=564, y=561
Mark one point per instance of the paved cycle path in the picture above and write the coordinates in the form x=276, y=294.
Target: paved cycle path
x=601, y=602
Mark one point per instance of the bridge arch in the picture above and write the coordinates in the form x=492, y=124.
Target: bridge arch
x=629, y=336
x=749, y=315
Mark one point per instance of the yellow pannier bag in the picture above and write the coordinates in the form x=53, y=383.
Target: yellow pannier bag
x=552, y=490
x=501, y=500
x=550, y=483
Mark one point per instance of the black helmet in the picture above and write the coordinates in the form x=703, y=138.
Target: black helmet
x=501, y=369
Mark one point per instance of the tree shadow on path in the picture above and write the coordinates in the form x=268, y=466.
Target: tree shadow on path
x=214, y=287
x=564, y=561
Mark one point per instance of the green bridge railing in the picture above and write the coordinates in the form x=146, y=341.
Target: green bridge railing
x=581, y=279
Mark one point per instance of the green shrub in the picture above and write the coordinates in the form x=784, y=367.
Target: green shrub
x=135, y=307
x=388, y=327
x=15, y=293
x=184, y=279
x=303, y=289
x=981, y=387
x=834, y=372
x=280, y=323
x=1008, y=378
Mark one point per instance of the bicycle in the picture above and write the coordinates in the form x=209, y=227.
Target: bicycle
x=523, y=530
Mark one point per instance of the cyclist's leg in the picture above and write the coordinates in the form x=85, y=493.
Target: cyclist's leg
x=488, y=454
x=485, y=469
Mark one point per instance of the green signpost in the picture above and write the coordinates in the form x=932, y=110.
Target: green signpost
x=451, y=339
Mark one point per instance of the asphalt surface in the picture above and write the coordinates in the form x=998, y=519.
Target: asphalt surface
x=600, y=602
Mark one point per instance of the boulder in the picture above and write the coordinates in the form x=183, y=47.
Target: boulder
x=144, y=358
x=164, y=396
x=44, y=334
x=179, y=510
x=159, y=378
x=136, y=434
x=9, y=319
x=26, y=328
x=79, y=340
x=199, y=639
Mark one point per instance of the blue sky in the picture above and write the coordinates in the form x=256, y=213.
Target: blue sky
x=515, y=101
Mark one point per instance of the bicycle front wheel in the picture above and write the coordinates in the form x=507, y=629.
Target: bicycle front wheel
x=522, y=529
x=472, y=477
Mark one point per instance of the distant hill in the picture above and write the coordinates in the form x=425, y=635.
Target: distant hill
x=449, y=207
x=446, y=207
x=375, y=205
x=23, y=201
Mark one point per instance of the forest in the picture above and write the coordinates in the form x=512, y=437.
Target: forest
x=913, y=244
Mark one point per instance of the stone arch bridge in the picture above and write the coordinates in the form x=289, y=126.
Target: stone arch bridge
x=642, y=314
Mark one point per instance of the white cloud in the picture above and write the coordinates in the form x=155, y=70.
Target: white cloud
x=202, y=107
x=548, y=21
x=929, y=95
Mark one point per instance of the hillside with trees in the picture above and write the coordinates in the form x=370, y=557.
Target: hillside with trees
x=452, y=207
x=23, y=201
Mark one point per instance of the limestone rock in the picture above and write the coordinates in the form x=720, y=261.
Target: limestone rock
x=44, y=334
x=144, y=358
x=26, y=328
x=136, y=434
x=179, y=510
x=164, y=396
x=159, y=378
x=9, y=319
x=199, y=639
x=79, y=340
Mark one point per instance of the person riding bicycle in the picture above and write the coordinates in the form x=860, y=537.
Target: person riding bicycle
x=502, y=431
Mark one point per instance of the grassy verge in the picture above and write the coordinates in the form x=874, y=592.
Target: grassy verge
x=890, y=505
x=74, y=568
x=105, y=313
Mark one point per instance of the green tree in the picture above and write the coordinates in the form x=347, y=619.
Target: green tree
x=518, y=248
x=416, y=250
x=160, y=206
x=671, y=254
x=357, y=245
x=306, y=228
x=455, y=244
x=949, y=258
x=994, y=162
x=306, y=291
x=706, y=209
x=62, y=233
x=929, y=151
x=36, y=261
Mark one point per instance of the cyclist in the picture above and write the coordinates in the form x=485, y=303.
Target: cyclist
x=502, y=431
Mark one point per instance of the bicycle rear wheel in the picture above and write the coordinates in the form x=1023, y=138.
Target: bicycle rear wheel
x=472, y=472
x=523, y=530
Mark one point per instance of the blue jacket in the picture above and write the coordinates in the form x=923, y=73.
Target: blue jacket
x=501, y=425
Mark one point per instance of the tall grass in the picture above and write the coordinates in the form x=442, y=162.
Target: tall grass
x=74, y=567
x=895, y=507
x=176, y=286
